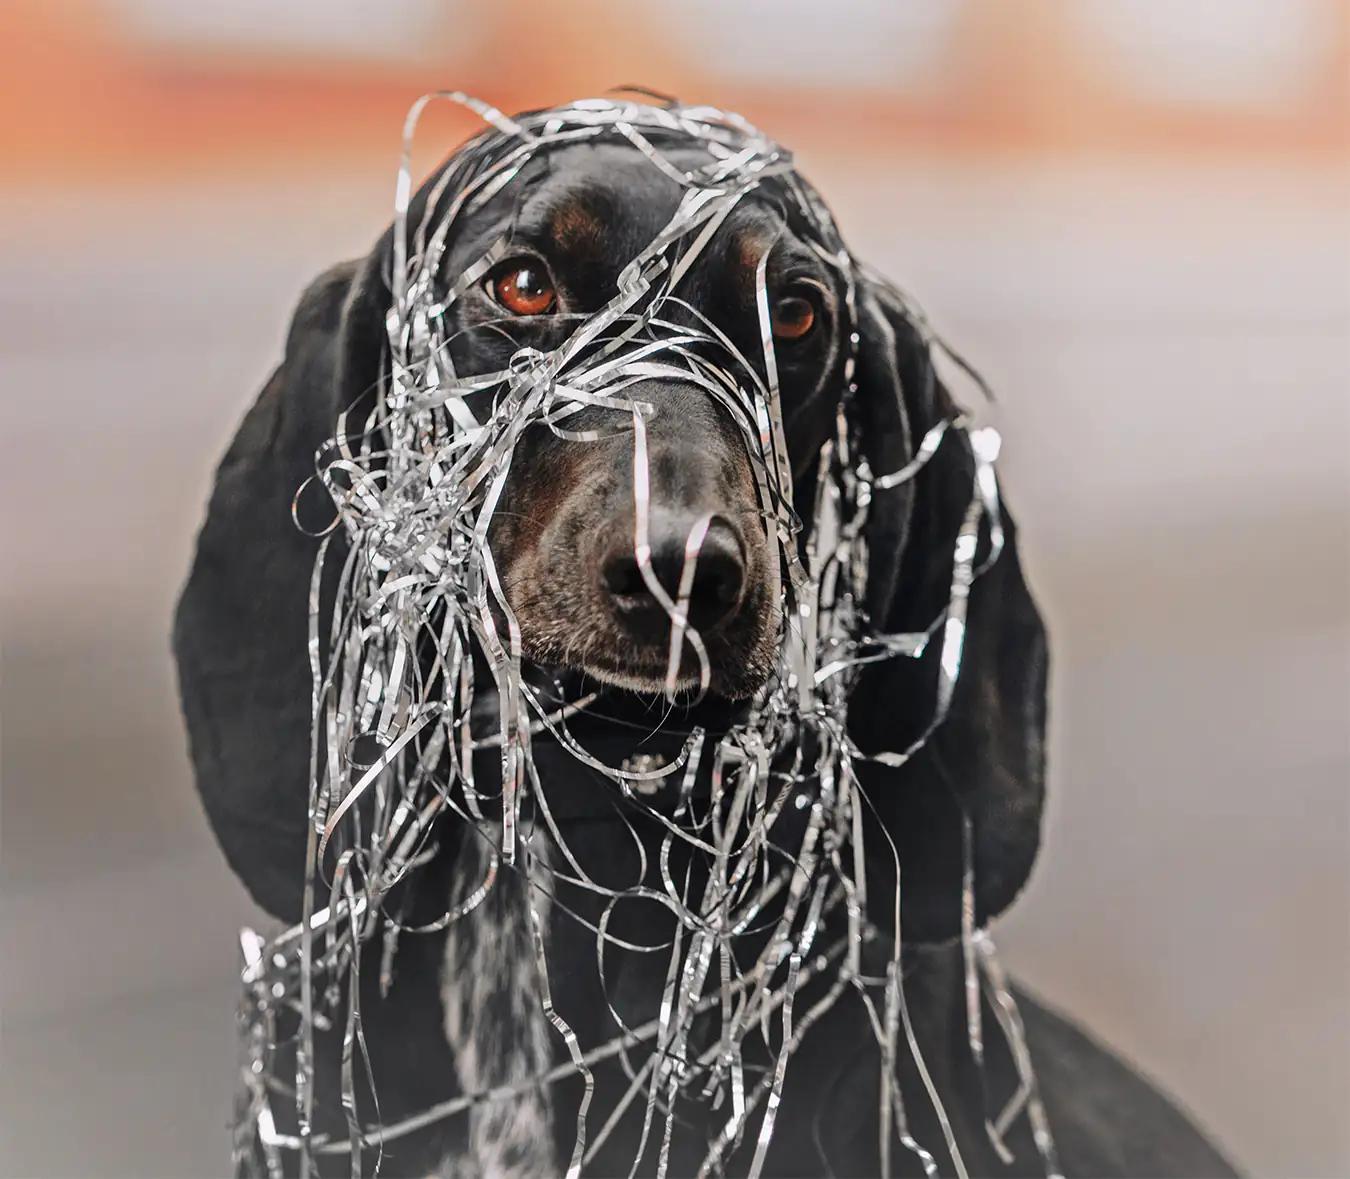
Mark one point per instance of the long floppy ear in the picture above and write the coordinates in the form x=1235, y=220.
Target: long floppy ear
x=986, y=760
x=240, y=631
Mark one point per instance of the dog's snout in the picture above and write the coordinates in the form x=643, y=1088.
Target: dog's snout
x=581, y=593
x=718, y=583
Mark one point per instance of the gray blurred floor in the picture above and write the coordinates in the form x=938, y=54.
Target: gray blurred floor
x=1173, y=351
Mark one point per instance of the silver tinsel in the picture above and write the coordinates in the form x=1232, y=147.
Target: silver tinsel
x=415, y=487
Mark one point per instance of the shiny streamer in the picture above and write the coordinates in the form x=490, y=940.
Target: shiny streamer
x=415, y=486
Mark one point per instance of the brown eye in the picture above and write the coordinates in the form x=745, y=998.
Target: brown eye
x=793, y=317
x=523, y=288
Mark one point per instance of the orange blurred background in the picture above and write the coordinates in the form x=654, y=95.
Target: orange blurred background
x=1131, y=214
x=130, y=87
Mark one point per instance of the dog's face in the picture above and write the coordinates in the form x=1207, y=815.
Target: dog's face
x=563, y=534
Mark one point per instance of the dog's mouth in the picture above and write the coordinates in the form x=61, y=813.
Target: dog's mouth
x=733, y=662
x=644, y=680
x=730, y=673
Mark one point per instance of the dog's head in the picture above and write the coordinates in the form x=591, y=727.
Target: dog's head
x=563, y=531
x=563, y=534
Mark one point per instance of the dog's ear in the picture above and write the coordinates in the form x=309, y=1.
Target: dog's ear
x=986, y=760
x=242, y=620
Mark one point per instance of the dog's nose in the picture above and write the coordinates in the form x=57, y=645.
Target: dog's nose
x=718, y=585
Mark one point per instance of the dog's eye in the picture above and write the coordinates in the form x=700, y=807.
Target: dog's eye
x=523, y=288
x=793, y=317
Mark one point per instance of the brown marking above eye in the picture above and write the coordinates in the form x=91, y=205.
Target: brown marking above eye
x=793, y=317
x=523, y=288
x=750, y=247
x=793, y=314
x=576, y=227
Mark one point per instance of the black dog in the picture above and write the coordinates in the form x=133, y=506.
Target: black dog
x=564, y=543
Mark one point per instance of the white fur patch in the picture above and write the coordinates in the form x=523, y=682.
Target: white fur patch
x=494, y=1020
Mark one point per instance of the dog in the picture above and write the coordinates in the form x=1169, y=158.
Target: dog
x=456, y=1011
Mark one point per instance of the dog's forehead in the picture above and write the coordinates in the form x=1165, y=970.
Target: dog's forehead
x=599, y=198
x=610, y=200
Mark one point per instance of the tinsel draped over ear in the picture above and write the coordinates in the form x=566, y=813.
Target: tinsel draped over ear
x=984, y=764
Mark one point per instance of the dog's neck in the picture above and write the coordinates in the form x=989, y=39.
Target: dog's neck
x=496, y=1025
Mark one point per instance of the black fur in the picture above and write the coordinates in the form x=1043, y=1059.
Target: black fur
x=240, y=643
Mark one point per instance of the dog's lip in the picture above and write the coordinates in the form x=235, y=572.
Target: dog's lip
x=631, y=710
x=650, y=662
x=643, y=666
x=633, y=680
x=650, y=653
x=648, y=675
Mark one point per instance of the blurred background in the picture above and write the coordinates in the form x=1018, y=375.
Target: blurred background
x=1132, y=215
